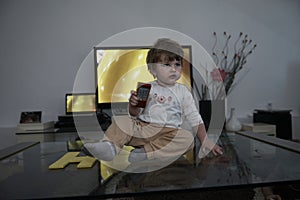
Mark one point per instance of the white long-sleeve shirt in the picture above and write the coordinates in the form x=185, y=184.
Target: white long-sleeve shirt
x=168, y=106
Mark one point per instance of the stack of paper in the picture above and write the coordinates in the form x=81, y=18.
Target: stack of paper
x=259, y=128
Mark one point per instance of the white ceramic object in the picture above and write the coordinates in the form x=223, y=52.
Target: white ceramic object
x=233, y=124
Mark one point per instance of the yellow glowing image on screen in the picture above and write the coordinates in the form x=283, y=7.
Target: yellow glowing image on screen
x=119, y=70
x=81, y=103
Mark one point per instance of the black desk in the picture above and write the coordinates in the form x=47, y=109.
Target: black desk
x=245, y=163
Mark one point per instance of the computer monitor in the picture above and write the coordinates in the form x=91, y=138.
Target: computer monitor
x=80, y=103
x=119, y=69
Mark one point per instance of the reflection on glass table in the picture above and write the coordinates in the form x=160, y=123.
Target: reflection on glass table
x=25, y=175
x=245, y=163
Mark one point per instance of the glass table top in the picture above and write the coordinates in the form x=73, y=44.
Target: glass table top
x=245, y=162
x=25, y=175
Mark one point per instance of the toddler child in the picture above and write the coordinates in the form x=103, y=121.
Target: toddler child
x=156, y=131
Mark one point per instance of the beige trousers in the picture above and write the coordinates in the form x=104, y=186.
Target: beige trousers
x=158, y=141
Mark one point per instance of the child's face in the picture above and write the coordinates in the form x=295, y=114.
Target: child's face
x=167, y=72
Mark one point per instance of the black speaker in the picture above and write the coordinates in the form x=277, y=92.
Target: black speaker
x=212, y=113
x=281, y=118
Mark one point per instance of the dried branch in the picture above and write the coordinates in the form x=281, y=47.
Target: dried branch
x=229, y=62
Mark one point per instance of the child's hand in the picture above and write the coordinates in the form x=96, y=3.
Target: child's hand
x=134, y=110
x=214, y=148
x=133, y=99
x=217, y=150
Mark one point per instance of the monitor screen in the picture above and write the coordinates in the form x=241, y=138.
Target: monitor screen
x=80, y=103
x=119, y=69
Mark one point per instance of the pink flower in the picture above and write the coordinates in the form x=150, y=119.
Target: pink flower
x=218, y=74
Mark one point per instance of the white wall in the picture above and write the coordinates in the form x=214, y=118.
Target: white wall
x=43, y=42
